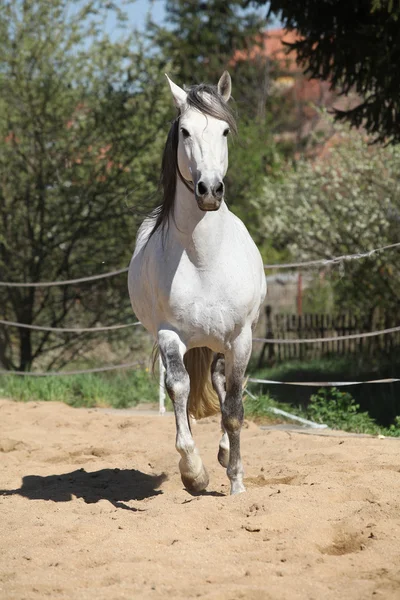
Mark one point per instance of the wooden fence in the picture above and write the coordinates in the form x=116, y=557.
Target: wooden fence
x=292, y=326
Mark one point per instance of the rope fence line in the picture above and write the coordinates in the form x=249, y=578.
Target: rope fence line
x=77, y=372
x=312, y=263
x=323, y=383
x=66, y=282
x=332, y=261
x=309, y=263
x=352, y=336
x=68, y=329
x=249, y=380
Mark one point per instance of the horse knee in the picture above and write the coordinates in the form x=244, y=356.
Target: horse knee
x=177, y=383
x=232, y=417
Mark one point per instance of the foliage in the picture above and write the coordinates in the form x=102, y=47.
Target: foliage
x=330, y=406
x=81, y=133
x=258, y=407
x=201, y=39
x=338, y=410
x=251, y=157
x=382, y=402
x=119, y=390
x=345, y=202
x=127, y=389
x=354, y=45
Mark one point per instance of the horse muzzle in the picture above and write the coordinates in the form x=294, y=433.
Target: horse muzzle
x=209, y=197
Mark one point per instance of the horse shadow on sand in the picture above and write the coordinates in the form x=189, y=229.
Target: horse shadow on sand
x=115, y=485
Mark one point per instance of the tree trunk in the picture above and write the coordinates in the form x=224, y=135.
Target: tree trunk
x=24, y=312
x=25, y=349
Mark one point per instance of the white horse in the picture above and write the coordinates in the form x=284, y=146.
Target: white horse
x=196, y=280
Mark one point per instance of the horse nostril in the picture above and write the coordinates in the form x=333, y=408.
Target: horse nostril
x=218, y=191
x=201, y=189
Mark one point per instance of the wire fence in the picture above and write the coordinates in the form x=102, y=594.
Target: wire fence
x=293, y=265
x=322, y=383
x=75, y=372
x=69, y=329
x=336, y=338
x=331, y=261
x=302, y=265
x=65, y=282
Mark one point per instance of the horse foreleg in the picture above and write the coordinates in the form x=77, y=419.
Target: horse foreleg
x=219, y=382
x=194, y=475
x=232, y=408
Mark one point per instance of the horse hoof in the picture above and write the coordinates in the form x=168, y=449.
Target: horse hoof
x=237, y=488
x=199, y=483
x=223, y=457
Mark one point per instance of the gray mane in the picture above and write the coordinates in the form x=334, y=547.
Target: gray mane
x=207, y=100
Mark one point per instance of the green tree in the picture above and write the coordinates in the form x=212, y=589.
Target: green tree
x=202, y=38
x=346, y=202
x=354, y=45
x=81, y=134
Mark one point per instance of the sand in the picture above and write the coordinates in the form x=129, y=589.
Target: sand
x=92, y=507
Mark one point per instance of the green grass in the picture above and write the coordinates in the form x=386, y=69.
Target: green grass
x=257, y=409
x=367, y=408
x=119, y=390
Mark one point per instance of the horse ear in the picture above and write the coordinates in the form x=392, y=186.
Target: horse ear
x=225, y=86
x=178, y=93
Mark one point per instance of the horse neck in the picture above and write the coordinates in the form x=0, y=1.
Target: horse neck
x=199, y=233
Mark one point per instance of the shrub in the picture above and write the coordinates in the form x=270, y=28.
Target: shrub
x=339, y=410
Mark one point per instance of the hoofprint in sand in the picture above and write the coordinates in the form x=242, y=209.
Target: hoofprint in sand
x=92, y=506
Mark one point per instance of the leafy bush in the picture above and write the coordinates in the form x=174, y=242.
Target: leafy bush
x=394, y=429
x=347, y=201
x=339, y=411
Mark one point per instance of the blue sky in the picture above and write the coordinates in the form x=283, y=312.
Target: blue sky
x=138, y=10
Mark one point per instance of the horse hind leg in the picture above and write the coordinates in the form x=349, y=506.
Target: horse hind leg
x=193, y=473
x=218, y=381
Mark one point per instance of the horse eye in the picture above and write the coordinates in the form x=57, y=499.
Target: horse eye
x=226, y=132
x=185, y=132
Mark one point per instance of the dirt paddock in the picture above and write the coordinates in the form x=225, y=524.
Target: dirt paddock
x=92, y=507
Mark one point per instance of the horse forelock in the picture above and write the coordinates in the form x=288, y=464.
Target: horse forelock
x=207, y=100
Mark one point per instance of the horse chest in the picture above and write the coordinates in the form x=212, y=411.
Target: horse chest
x=210, y=304
x=208, y=296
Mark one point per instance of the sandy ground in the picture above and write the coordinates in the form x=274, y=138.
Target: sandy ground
x=92, y=507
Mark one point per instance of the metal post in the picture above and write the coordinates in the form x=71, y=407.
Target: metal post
x=162, y=386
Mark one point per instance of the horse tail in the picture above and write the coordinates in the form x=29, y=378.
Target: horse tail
x=203, y=400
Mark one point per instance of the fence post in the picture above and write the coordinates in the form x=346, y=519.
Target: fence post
x=270, y=336
x=299, y=294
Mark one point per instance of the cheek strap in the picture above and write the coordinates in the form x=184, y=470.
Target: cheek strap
x=188, y=184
